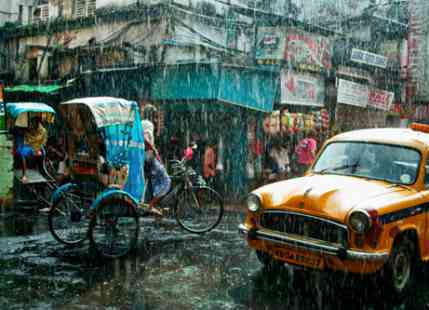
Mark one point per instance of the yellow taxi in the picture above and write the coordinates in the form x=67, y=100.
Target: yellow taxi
x=361, y=208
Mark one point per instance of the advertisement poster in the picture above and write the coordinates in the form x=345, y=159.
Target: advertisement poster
x=310, y=49
x=302, y=89
x=352, y=93
x=270, y=44
x=380, y=99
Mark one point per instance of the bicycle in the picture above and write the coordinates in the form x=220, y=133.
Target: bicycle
x=197, y=208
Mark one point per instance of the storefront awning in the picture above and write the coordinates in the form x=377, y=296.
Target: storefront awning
x=44, y=89
x=239, y=86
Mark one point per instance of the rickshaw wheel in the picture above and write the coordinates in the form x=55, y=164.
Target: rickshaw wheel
x=68, y=218
x=114, y=228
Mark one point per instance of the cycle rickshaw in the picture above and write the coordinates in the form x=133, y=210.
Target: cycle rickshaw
x=28, y=123
x=106, y=161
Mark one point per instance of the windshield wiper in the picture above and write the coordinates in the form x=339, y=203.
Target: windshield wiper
x=402, y=185
x=353, y=166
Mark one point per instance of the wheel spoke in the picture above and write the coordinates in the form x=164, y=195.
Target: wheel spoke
x=114, y=231
x=199, y=209
x=68, y=220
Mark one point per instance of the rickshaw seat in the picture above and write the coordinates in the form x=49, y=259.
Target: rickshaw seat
x=33, y=176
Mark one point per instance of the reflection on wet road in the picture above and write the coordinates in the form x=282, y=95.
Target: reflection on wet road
x=171, y=269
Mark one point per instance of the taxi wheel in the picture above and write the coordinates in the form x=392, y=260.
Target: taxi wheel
x=399, y=271
x=268, y=261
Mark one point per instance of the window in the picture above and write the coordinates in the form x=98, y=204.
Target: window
x=82, y=8
x=91, y=7
x=20, y=12
x=30, y=14
x=41, y=14
x=391, y=163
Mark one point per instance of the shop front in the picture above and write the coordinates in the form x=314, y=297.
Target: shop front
x=304, y=61
x=220, y=106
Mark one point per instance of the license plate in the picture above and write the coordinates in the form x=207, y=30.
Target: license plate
x=297, y=257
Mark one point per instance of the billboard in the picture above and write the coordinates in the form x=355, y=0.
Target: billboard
x=308, y=48
x=302, y=89
x=270, y=44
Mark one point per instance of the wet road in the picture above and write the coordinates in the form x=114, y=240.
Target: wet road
x=170, y=270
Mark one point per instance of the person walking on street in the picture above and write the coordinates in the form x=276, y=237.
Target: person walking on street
x=306, y=152
x=280, y=156
x=209, y=163
x=160, y=181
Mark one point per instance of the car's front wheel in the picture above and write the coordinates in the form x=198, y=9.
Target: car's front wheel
x=399, y=272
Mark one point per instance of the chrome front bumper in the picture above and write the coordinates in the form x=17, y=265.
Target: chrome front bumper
x=311, y=245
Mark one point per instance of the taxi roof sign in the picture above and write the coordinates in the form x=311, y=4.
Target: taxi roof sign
x=420, y=127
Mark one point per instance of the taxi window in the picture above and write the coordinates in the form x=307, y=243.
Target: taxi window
x=391, y=163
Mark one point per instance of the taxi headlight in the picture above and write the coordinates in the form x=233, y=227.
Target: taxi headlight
x=253, y=203
x=360, y=221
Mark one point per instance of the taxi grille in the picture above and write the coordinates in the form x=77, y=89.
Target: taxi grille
x=304, y=225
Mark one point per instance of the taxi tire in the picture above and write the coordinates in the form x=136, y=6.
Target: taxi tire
x=401, y=264
x=268, y=261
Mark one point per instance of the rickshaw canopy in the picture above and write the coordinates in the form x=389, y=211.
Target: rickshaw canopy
x=107, y=111
x=20, y=110
x=119, y=121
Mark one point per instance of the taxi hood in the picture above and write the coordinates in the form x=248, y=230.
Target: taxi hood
x=330, y=196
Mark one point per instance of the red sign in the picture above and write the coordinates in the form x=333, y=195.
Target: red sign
x=380, y=99
x=307, y=48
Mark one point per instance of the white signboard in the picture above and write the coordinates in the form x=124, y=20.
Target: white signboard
x=368, y=58
x=352, y=93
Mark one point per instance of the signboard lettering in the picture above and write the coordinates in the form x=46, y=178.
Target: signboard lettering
x=380, y=99
x=352, y=93
x=368, y=58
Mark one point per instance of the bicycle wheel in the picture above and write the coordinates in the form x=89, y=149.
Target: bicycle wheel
x=199, y=209
x=68, y=218
x=114, y=229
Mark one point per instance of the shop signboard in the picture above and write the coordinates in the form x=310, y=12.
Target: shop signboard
x=368, y=58
x=270, y=45
x=302, y=89
x=380, y=99
x=309, y=49
x=352, y=93
x=356, y=73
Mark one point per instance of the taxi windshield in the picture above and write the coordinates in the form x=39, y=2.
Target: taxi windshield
x=391, y=163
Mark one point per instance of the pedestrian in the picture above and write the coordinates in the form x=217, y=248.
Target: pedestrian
x=148, y=130
x=159, y=180
x=209, y=163
x=281, y=163
x=306, y=152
